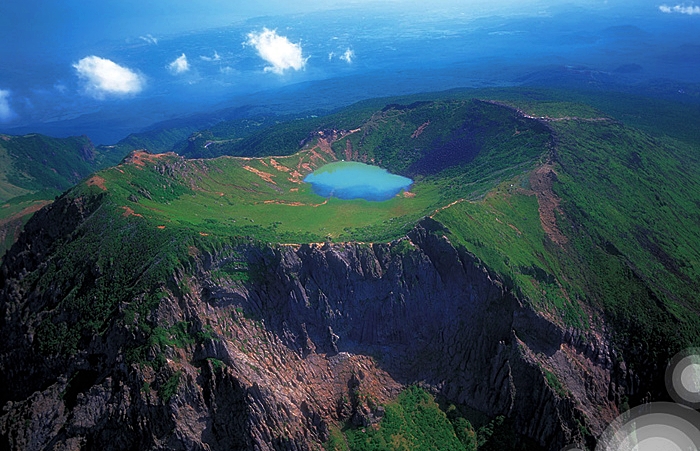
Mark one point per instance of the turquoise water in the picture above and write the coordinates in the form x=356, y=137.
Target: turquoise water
x=353, y=180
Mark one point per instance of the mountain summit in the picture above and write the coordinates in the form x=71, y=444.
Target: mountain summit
x=531, y=285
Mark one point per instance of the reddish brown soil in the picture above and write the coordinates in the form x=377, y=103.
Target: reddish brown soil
x=128, y=211
x=97, y=181
x=263, y=175
x=419, y=130
x=141, y=157
x=541, y=182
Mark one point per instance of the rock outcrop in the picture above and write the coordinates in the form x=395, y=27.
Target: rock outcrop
x=312, y=335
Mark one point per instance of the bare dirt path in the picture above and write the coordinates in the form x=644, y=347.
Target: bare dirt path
x=541, y=181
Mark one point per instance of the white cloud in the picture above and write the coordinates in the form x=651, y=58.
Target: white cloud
x=216, y=57
x=103, y=77
x=180, y=65
x=276, y=50
x=60, y=87
x=348, y=56
x=6, y=113
x=149, y=39
x=682, y=9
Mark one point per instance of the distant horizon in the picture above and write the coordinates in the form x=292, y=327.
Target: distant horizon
x=116, y=68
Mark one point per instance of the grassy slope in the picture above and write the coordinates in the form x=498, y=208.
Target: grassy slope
x=628, y=202
x=632, y=229
x=250, y=197
x=161, y=205
x=37, y=162
x=34, y=169
x=633, y=211
x=8, y=190
x=415, y=421
x=653, y=115
x=265, y=197
x=629, y=211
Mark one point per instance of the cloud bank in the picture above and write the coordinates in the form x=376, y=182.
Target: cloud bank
x=680, y=9
x=149, y=39
x=276, y=50
x=180, y=65
x=6, y=113
x=348, y=56
x=104, y=77
x=216, y=57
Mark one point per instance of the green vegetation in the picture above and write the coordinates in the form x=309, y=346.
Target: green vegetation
x=92, y=281
x=639, y=193
x=32, y=163
x=233, y=271
x=416, y=422
x=625, y=208
x=169, y=388
x=265, y=197
x=238, y=197
x=464, y=140
x=36, y=168
x=260, y=136
x=413, y=422
x=608, y=231
x=632, y=210
x=36, y=162
x=626, y=219
x=651, y=114
x=17, y=211
x=554, y=382
x=160, y=338
x=504, y=231
x=216, y=363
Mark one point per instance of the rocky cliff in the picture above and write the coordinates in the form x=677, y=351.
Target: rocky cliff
x=262, y=347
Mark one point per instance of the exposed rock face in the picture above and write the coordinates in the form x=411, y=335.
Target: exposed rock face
x=318, y=334
x=434, y=314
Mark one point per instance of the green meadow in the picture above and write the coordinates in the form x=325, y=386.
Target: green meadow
x=480, y=144
x=264, y=198
x=612, y=228
x=587, y=219
x=625, y=201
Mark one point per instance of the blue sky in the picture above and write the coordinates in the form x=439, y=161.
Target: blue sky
x=63, y=61
x=37, y=23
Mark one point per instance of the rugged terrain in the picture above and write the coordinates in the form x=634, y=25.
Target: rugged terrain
x=537, y=274
x=35, y=168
